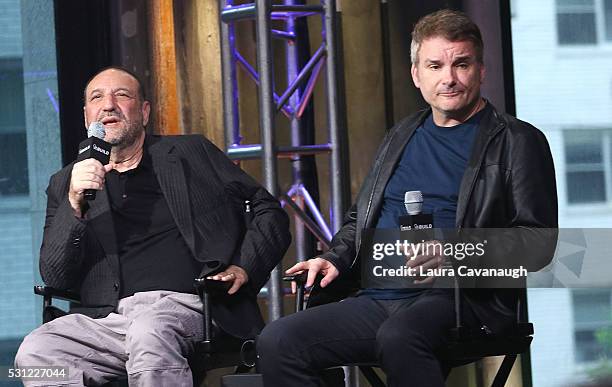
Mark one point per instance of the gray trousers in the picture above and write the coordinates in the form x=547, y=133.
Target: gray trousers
x=148, y=339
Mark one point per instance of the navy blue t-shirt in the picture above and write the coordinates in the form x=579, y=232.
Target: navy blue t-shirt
x=433, y=162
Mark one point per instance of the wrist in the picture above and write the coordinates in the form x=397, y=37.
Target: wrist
x=78, y=208
x=243, y=273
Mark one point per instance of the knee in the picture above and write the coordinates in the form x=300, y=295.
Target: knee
x=146, y=333
x=32, y=350
x=275, y=348
x=158, y=340
x=278, y=338
x=154, y=345
x=269, y=340
x=397, y=339
x=23, y=358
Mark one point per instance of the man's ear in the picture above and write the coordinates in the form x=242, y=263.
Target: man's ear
x=415, y=76
x=146, y=110
x=483, y=72
x=85, y=118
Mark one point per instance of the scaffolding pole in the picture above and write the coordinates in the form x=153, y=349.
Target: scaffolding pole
x=266, y=123
x=292, y=103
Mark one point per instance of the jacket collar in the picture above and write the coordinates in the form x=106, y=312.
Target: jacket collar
x=490, y=124
x=400, y=135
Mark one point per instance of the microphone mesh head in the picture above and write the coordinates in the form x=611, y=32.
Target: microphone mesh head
x=96, y=129
x=413, y=201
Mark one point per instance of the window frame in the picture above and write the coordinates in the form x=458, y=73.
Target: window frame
x=605, y=141
x=600, y=26
x=587, y=326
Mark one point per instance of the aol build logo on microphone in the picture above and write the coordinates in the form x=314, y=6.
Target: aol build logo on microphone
x=98, y=149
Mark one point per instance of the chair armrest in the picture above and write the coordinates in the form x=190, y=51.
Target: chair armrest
x=205, y=288
x=220, y=349
x=212, y=286
x=299, y=279
x=49, y=292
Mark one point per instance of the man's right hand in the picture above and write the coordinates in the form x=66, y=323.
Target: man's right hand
x=86, y=174
x=315, y=266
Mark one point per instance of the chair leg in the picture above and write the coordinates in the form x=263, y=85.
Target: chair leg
x=504, y=371
x=371, y=376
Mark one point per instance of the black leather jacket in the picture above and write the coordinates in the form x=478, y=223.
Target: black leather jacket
x=509, y=182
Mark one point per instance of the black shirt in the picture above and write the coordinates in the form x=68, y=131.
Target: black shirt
x=153, y=255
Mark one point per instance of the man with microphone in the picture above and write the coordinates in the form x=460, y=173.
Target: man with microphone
x=476, y=168
x=167, y=209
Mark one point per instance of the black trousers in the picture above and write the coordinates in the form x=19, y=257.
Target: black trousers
x=402, y=335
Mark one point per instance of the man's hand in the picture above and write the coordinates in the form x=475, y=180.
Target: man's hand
x=430, y=257
x=232, y=273
x=315, y=266
x=86, y=174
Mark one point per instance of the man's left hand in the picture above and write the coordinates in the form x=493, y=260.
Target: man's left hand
x=234, y=274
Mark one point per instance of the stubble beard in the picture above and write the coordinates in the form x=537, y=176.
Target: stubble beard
x=127, y=135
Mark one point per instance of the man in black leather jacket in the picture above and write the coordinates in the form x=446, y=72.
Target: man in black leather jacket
x=480, y=169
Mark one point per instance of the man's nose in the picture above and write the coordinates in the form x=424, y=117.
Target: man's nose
x=108, y=103
x=449, y=78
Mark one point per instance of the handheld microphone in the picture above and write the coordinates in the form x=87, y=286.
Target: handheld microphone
x=94, y=147
x=415, y=220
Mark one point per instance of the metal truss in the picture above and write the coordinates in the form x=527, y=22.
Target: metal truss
x=292, y=103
